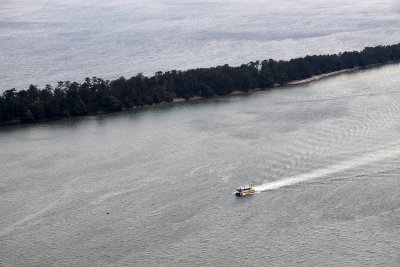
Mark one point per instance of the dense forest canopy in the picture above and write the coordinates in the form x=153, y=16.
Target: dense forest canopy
x=98, y=95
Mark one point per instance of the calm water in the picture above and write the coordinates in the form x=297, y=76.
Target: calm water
x=325, y=158
x=45, y=41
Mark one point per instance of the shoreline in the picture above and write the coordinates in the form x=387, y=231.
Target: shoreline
x=178, y=101
x=322, y=76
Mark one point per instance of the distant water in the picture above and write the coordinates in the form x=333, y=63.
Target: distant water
x=154, y=187
x=47, y=41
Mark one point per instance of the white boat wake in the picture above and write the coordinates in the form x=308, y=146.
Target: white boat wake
x=366, y=159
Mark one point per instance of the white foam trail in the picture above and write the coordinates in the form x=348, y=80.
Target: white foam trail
x=336, y=168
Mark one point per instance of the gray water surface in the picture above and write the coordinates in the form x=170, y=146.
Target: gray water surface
x=45, y=41
x=154, y=187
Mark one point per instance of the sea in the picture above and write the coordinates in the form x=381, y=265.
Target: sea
x=154, y=186
x=43, y=42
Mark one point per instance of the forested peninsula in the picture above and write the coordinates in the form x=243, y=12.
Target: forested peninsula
x=96, y=95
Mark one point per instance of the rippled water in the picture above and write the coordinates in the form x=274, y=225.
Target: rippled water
x=154, y=187
x=45, y=41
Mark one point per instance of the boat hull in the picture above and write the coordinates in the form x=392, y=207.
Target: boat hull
x=245, y=193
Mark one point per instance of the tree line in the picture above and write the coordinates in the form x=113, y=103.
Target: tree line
x=95, y=95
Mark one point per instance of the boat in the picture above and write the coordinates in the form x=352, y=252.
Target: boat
x=245, y=190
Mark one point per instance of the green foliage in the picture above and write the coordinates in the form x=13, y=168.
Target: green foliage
x=37, y=110
x=205, y=91
x=110, y=103
x=96, y=95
